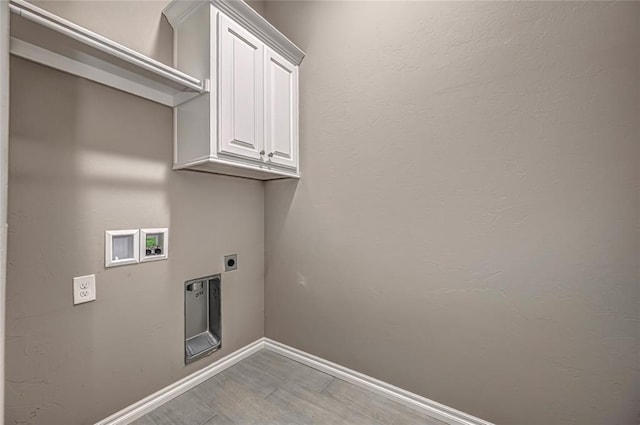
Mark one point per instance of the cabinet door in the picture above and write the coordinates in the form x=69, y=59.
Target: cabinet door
x=241, y=91
x=281, y=110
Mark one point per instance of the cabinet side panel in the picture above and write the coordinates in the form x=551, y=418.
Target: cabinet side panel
x=193, y=55
x=192, y=44
x=192, y=130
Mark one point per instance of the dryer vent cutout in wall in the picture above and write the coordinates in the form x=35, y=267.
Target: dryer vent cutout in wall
x=154, y=244
x=121, y=247
x=201, y=317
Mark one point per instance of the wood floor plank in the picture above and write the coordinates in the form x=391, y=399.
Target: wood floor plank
x=241, y=402
x=145, y=420
x=269, y=389
x=302, y=412
x=219, y=419
x=324, y=406
x=293, y=373
x=253, y=377
x=275, y=364
x=186, y=409
x=375, y=406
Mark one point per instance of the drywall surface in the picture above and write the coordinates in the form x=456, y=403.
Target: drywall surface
x=466, y=225
x=87, y=158
x=4, y=178
x=258, y=6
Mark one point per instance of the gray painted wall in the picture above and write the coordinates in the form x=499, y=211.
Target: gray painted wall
x=466, y=226
x=86, y=158
x=4, y=178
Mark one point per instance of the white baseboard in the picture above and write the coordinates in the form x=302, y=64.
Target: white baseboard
x=146, y=405
x=436, y=410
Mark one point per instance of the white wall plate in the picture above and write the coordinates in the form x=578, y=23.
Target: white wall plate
x=84, y=289
x=121, y=247
x=154, y=244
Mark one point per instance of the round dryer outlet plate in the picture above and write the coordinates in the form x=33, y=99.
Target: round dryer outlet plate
x=230, y=262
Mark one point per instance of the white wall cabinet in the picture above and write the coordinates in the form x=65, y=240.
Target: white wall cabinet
x=248, y=124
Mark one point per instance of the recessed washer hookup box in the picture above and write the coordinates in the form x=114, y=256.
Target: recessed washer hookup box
x=202, y=300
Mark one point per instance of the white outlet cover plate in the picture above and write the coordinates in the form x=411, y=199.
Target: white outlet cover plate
x=84, y=289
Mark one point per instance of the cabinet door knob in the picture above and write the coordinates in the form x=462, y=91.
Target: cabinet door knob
x=270, y=154
x=262, y=152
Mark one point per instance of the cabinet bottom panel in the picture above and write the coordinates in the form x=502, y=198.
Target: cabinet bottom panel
x=217, y=166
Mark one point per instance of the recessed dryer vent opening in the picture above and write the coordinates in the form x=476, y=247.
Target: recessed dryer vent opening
x=202, y=317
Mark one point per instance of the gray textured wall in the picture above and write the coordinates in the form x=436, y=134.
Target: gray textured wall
x=466, y=226
x=86, y=158
x=4, y=180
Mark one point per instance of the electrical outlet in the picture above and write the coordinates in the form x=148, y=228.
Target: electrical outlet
x=84, y=289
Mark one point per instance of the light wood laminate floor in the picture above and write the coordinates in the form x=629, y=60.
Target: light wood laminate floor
x=269, y=389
